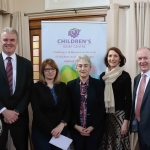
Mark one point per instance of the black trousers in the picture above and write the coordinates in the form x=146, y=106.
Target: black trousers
x=142, y=144
x=40, y=141
x=91, y=142
x=19, y=133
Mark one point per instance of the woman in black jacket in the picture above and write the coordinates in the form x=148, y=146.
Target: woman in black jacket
x=87, y=107
x=51, y=111
x=117, y=96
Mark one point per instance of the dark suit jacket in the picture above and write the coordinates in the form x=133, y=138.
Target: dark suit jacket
x=122, y=93
x=24, y=80
x=95, y=103
x=144, y=125
x=47, y=115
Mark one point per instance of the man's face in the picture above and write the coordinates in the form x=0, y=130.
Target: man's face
x=9, y=43
x=143, y=59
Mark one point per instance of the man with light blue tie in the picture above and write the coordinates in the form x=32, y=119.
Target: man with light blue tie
x=140, y=114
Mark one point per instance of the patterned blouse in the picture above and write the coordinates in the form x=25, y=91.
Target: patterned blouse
x=83, y=104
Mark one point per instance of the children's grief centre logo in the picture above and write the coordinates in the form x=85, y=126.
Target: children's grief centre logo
x=74, y=32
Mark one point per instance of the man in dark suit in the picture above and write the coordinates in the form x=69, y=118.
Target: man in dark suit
x=14, y=93
x=140, y=115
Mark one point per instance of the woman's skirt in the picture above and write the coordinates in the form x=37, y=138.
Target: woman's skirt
x=112, y=138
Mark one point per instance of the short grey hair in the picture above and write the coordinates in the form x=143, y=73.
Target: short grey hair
x=10, y=31
x=83, y=57
x=143, y=47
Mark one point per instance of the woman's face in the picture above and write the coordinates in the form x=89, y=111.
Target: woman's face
x=83, y=67
x=113, y=59
x=49, y=72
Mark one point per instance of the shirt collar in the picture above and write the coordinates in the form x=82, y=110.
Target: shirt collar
x=86, y=83
x=147, y=73
x=13, y=56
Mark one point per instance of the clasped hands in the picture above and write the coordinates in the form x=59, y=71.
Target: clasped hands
x=10, y=116
x=84, y=131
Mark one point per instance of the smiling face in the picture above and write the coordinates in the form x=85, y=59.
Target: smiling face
x=113, y=59
x=143, y=59
x=83, y=67
x=49, y=72
x=9, y=43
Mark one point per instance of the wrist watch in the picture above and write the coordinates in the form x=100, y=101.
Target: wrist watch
x=65, y=124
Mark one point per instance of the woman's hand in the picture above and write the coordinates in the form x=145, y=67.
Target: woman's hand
x=84, y=131
x=89, y=129
x=57, y=131
x=124, y=127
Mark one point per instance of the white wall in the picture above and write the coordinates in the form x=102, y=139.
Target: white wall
x=29, y=6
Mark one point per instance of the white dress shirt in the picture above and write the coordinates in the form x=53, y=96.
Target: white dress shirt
x=14, y=62
x=147, y=79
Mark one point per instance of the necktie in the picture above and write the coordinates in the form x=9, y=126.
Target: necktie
x=9, y=73
x=140, y=97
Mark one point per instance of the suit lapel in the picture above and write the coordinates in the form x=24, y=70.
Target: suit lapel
x=136, y=86
x=19, y=68
x=90, y=92
x=3, y=71
x=147, y=90
x=77, y=93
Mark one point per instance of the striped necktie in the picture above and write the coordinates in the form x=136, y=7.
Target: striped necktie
x=9, y=72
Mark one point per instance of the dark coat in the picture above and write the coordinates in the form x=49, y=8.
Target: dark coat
x=95, y=103
x=144, y=124
x=47, y=115
x=24, y=81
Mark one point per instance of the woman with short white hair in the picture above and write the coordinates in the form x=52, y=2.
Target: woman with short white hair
x=87, y=107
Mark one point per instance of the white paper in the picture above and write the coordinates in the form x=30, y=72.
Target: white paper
x=62, y=142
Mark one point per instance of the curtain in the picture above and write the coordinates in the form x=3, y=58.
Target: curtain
x=3, y=5
x=4, y=22
x=129, y=29
x=21, y=24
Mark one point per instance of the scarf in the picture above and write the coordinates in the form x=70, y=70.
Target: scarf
x=109, y=77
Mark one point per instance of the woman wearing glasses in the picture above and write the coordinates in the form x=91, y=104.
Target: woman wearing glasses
x=50, y=106
x=87, y=107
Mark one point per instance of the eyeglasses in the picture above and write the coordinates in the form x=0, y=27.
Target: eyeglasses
x=50, y=69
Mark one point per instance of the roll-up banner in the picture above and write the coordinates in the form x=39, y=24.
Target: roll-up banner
x=64, y=40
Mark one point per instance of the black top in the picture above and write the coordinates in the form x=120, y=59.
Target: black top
x=122, y=93
x=47, y=115
x=95, y=103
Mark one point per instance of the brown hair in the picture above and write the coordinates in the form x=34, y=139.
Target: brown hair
x=53, y=64
x=122, y=57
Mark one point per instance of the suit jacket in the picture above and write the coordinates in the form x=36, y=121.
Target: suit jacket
x=47, y=115
x=24, y=80
x=122, y=93
x=144, y=124
x=95, y=103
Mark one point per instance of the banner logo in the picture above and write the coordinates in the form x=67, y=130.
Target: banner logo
x=74, y=32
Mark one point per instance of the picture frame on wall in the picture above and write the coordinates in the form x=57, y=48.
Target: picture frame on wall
x=66, y=4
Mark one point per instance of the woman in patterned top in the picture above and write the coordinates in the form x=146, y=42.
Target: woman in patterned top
x=51, y=110
x=117, y=97
x=87, y=107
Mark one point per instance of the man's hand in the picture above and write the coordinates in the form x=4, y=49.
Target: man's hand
x=10, y=116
